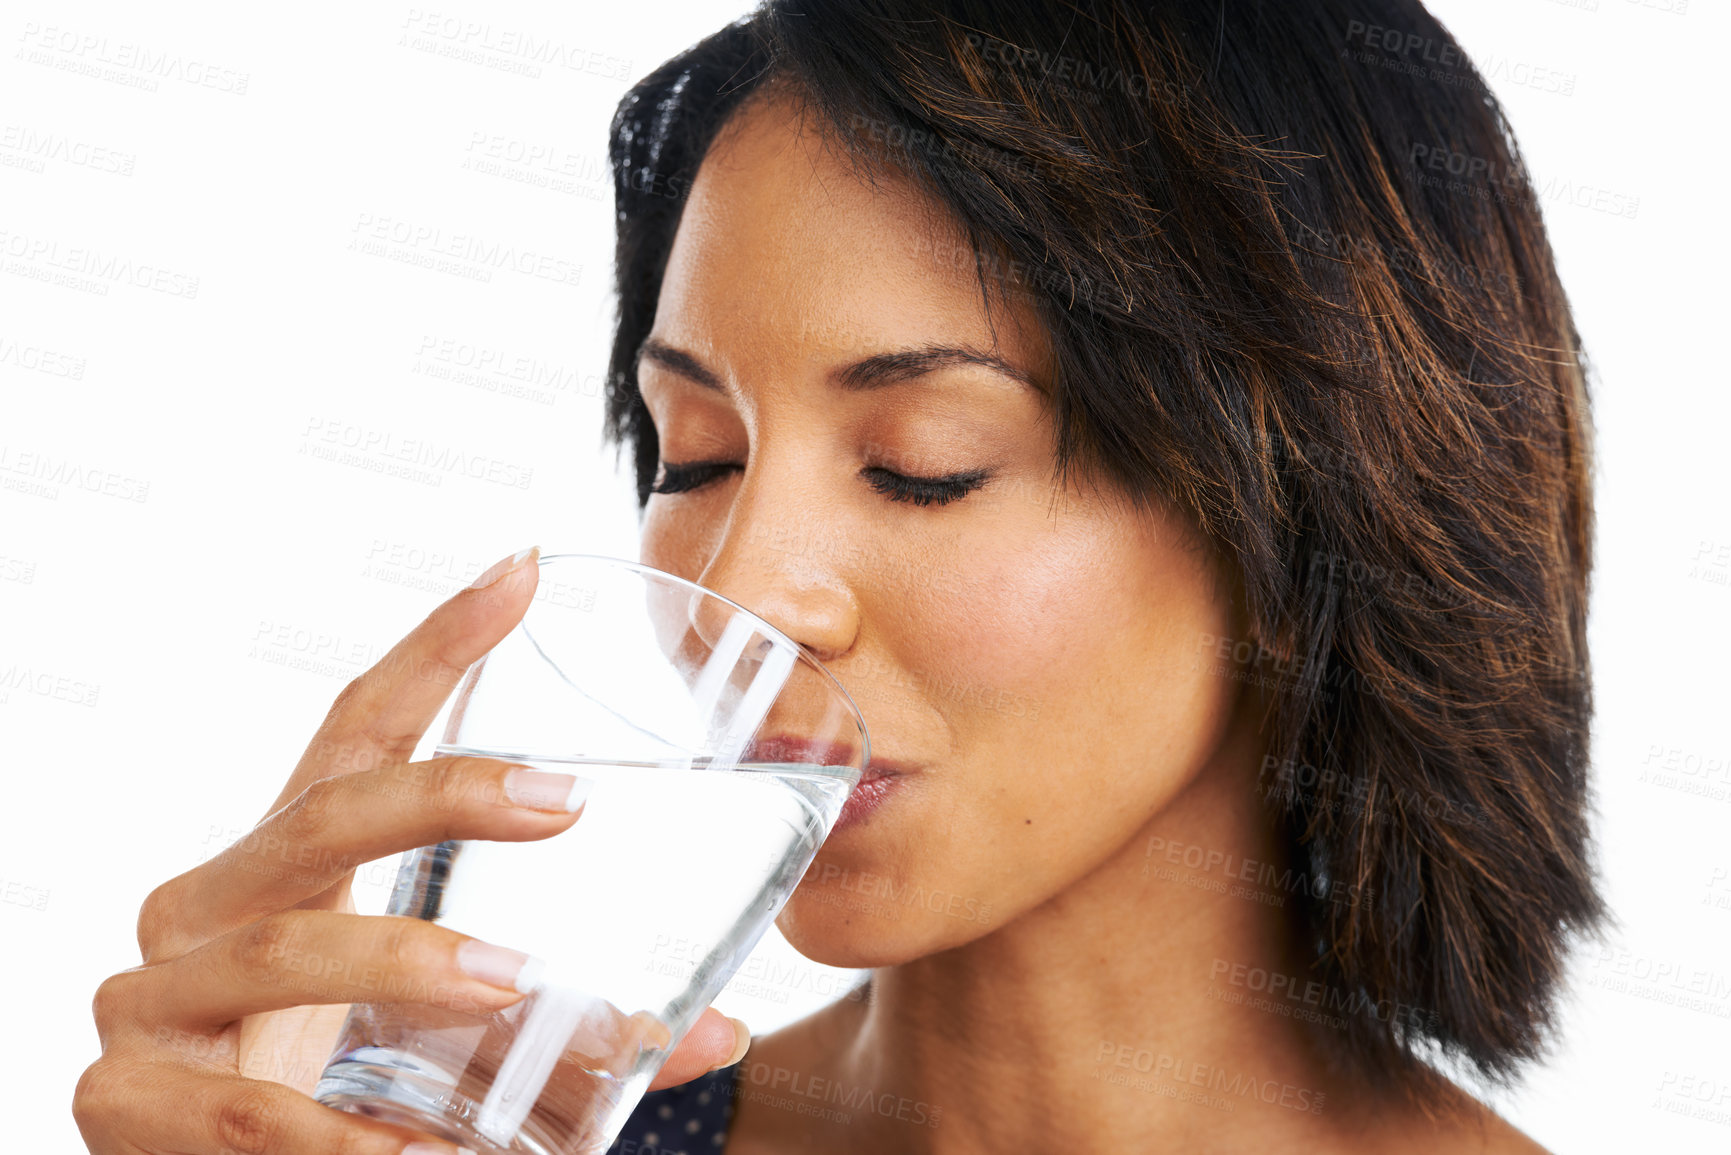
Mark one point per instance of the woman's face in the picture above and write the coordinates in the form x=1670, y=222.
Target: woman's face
x=1028, y=657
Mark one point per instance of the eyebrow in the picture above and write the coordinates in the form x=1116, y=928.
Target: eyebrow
x=874, y=372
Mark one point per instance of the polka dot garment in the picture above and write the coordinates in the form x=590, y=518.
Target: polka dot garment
x=689, y=1119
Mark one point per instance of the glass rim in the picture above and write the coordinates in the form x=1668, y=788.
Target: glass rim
x=800, y=649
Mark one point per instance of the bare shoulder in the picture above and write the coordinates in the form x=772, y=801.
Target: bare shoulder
x=1497, y=1136
x=1472, y=1128
x=1449, y=1121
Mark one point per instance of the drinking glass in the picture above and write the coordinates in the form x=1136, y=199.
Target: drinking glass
x=719, y=753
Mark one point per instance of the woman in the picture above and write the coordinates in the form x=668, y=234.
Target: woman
x=1167, y=422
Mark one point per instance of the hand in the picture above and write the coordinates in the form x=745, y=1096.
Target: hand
x=215, y=1042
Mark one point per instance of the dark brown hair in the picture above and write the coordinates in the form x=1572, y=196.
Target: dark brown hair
x=1297, y=285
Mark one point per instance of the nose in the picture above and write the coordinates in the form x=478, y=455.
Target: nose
x=785, y=713
x=786, y=579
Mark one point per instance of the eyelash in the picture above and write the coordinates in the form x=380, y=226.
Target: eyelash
x=685, y=477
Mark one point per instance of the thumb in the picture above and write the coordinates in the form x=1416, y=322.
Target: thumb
x=713, y=1041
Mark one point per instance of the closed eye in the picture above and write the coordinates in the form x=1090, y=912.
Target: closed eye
x=684, y=477
x=924, y=490
x=689, y=476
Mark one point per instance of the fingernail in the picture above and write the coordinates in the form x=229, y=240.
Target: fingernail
x=425, y=1148
x=511, y=969
x=741, y=1040
x=545, y=790
x=501, y=567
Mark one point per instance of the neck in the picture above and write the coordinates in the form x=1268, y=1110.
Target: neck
x=1154, y=999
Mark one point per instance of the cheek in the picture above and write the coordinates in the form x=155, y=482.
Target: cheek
x=1076, y=705
x=1080, y=643
x=1089, y=609
x=675, y=542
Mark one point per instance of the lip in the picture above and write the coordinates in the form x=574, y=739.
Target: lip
x=873, y=788
x=878, y=782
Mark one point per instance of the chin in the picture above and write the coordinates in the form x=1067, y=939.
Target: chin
x=840, y=927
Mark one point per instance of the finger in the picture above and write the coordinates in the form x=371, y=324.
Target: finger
x=306, y=958
x=313, y=957
x=125, y=1106
x=337, y=823
x=713, y=1041
x=381, y=715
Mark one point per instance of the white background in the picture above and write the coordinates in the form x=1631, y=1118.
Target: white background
x=198, y=606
